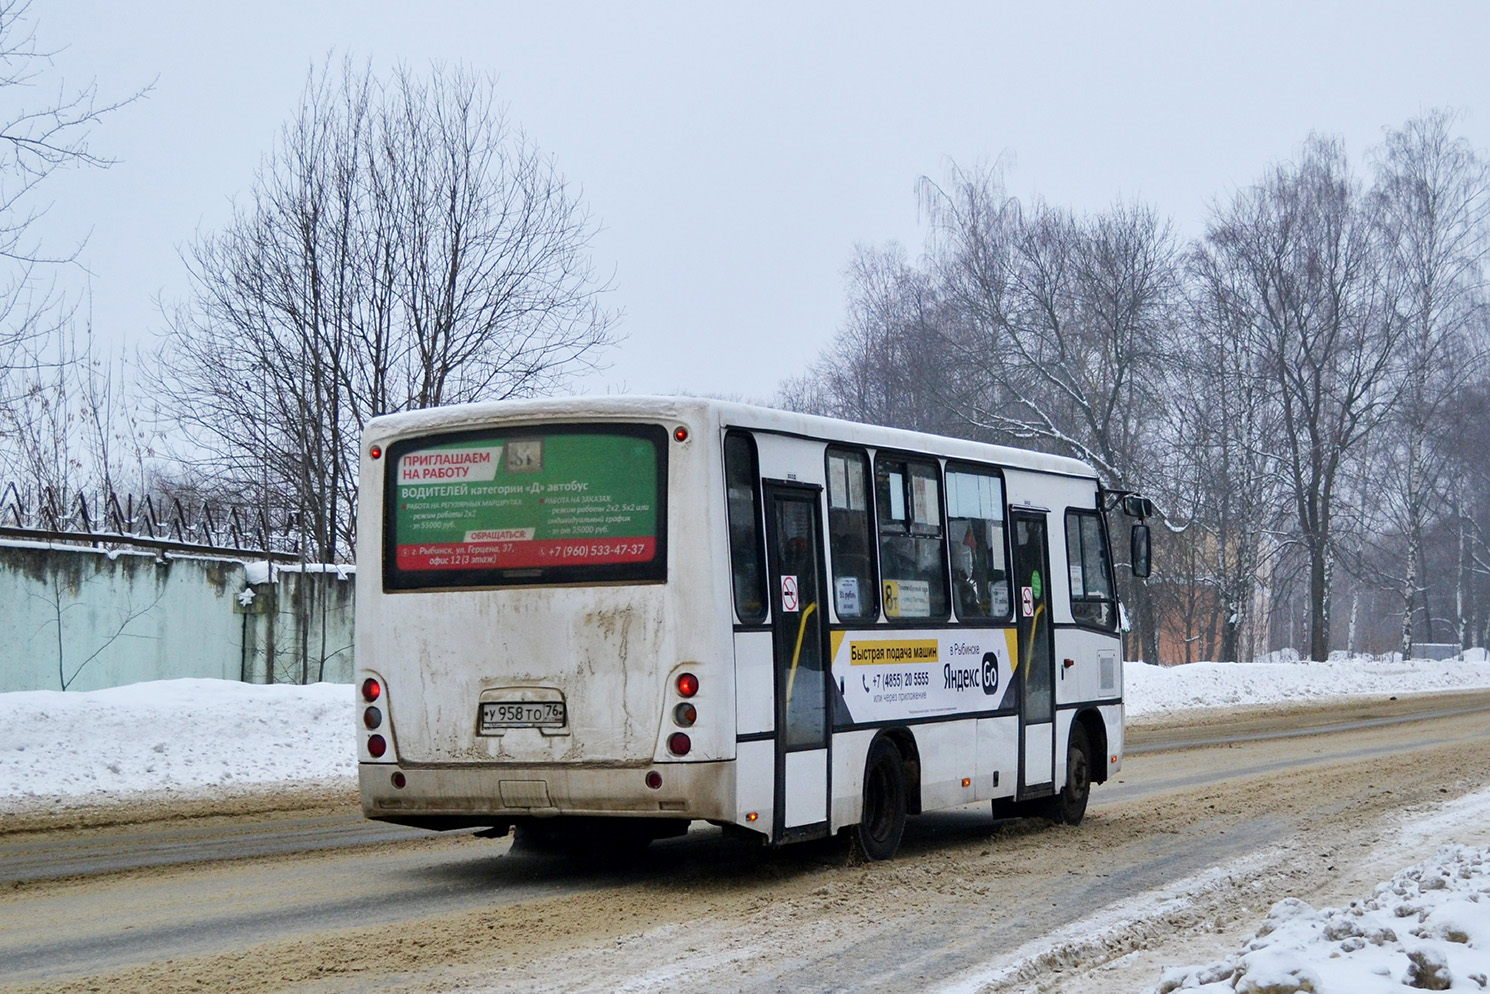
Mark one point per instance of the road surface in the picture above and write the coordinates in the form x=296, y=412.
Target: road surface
x=1214, y=818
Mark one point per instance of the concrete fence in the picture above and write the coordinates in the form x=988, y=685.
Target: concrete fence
x=77, y=618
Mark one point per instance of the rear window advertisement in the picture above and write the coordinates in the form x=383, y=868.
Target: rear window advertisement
x=525, y=502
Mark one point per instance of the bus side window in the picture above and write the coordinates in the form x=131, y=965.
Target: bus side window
x=1090, y=570
x=975, y=536
x=913, y=558
x=746, y=554
x=854, y=594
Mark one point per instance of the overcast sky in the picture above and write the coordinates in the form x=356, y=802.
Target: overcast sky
x=736, y=158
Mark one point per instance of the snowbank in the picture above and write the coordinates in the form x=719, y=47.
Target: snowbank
x=1149, y=689
x=188, y=737
x=1426, y=928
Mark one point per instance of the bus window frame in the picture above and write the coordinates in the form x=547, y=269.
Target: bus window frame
x=965, y=466
x=872, y=616
x=1072, y=599
x=758, y=510
x=396, y=581
x=906, y=457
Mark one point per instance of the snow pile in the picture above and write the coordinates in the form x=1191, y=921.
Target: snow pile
x=1149, y=689
x=1428, y=928
x=190, y=737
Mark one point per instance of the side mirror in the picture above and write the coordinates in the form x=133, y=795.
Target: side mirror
x=1135, y=506
x=1140, y=551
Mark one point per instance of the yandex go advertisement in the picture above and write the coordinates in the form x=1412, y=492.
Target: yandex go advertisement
x=892, y=675
x=532, y=501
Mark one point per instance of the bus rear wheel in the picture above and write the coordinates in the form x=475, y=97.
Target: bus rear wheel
x=1069, y=806
x=883, y=820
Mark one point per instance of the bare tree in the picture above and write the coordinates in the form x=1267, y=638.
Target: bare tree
x=1069, y=321
x=1301, y=275
x=1225, y=421
x=403, y=246
x=1432, y=202
x=45, y=127
x=887, y=364
x=1070, y=317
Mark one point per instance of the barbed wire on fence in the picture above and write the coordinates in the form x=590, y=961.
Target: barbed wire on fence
x=105, y=518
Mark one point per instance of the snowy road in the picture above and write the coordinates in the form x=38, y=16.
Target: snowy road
x=1190, y=840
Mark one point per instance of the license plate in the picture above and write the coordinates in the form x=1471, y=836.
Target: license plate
x=497, y=715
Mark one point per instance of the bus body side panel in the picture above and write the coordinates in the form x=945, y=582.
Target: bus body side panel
x=850, y=750
x=1113, y=717
x=755, y=785
x=998, y=757
x=755, y=702
x=949, y=755
x=1095, y=671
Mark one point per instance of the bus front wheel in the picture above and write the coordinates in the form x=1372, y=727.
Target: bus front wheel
x=1069, y=806
x=883, y=820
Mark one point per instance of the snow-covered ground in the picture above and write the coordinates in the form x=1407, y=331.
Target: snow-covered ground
x=190, y=738
x=210, y=738
x=1151, y=689
x=1428, y=928
x=205, y=738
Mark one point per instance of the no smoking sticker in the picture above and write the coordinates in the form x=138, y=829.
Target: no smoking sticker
x=1027, y=601
x=789, y=598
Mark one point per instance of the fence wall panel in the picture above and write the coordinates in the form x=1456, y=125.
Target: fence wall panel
x=78, y=618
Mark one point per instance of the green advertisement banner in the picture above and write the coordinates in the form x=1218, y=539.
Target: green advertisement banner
x=532, y=501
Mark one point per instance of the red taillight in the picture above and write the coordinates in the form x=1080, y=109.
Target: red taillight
x=399, y=780
x=376, y=452
x=679, y=744
x=376, y=746
x=654, y=780
x=680, y=434
x=687, y=685
x=371, y=689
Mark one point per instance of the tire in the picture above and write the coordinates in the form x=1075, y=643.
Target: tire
x=882, y=822
x=1069, y=806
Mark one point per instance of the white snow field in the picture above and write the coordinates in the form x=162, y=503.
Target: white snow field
x=189, y=738
x=1150, y=689
x=1426, y=928
x=208, y=738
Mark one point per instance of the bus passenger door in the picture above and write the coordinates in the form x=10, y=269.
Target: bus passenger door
x=1036, y=655
x=794, y=530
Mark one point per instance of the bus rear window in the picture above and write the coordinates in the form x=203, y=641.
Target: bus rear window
x=558, y=504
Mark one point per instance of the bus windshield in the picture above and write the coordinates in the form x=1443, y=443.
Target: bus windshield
x=557, y=504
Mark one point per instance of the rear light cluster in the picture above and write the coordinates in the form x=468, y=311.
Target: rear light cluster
x=684, y=715
x=372, y=717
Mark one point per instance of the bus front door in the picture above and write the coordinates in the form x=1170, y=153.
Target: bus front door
x=1036, y=656
x=794, y=530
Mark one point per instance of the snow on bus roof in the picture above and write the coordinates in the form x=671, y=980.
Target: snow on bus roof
x=726, y=414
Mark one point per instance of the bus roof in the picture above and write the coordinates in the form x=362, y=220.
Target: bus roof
x=457, y=417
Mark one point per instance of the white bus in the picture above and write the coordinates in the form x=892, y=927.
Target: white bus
x=604, y=618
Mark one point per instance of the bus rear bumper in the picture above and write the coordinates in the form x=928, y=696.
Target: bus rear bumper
x=488, y=794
